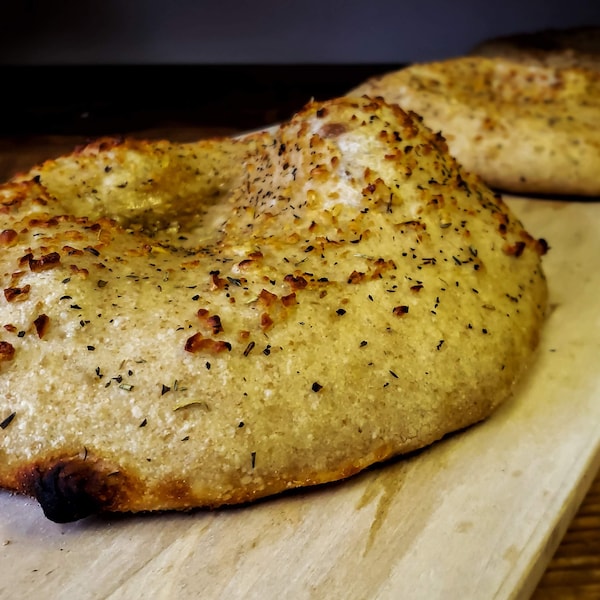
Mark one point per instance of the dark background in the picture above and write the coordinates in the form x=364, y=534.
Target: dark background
x=267, y=31
x=112, y=66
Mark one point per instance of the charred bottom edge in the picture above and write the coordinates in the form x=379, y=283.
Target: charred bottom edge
x=69, y=490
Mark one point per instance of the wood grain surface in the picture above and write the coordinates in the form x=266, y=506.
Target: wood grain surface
x=573, y=571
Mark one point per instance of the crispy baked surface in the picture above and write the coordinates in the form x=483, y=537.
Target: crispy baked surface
x=524, y=127
x=193, y=325
x=577, y=47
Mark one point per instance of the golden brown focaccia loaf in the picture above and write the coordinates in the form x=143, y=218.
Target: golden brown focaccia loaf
x=194, y=325
x=524, y=128
x=577, y=47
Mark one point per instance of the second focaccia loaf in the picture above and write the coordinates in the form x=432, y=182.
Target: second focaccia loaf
x=524, y=128
x=577, y=47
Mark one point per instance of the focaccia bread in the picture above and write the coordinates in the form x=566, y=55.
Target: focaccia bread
x=577, y=47
x=523, y=128
x=202, y=324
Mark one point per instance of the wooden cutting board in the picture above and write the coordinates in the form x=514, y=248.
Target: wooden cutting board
x=476, y=516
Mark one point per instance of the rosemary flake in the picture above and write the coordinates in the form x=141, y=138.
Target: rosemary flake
x=199, y=403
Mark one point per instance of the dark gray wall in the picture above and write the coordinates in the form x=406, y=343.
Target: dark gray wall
x=237, y=31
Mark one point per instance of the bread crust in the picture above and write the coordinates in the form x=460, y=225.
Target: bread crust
x=195, y=325
x=523, y=127
x=577, y=47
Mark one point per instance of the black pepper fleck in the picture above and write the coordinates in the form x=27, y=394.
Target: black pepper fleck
x=6, y=422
